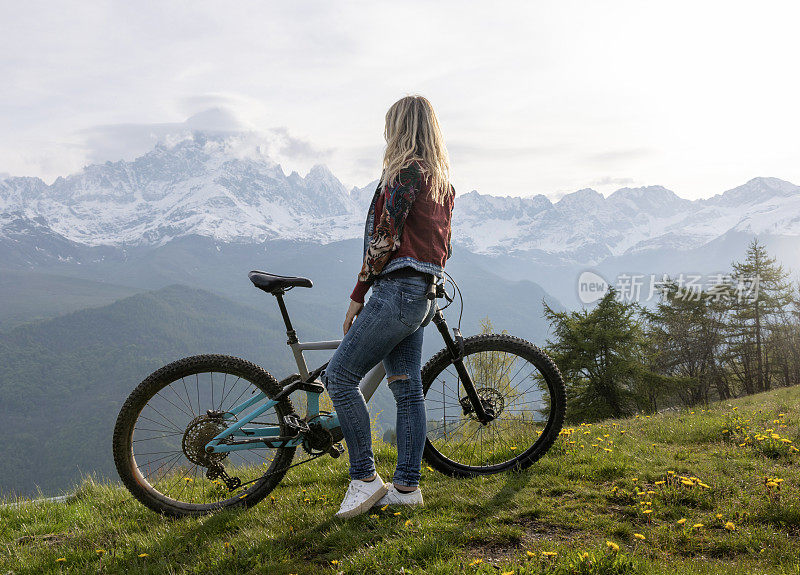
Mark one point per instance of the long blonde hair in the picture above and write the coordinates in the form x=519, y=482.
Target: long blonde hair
x=412, y=133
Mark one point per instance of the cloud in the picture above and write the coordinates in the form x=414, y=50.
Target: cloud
x=292, y=147
x=620, y=155
x=609, y=181
x=471, y=152
x=112, y=142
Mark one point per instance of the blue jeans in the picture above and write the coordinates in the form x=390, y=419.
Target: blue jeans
x=388, y=328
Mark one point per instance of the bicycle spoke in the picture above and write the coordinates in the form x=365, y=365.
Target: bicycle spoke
x=509, y=382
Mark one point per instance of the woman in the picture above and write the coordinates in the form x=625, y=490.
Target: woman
x=406, y=244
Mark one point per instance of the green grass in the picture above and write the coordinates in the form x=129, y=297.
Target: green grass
x=705, y=466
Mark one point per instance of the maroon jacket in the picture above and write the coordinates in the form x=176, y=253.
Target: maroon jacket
x=405, y=228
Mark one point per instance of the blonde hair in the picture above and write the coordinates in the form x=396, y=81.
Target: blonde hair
x=412, y=133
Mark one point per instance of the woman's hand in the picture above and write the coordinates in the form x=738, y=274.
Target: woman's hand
x=352, y=312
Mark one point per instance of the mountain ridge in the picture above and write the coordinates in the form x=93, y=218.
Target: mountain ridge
x=222, y=188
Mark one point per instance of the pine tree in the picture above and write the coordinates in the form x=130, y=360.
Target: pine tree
x=598, y=352
x=761, y=294
x=686, y=331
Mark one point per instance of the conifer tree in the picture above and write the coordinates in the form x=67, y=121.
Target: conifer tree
x=760, y=295
x=598, y=352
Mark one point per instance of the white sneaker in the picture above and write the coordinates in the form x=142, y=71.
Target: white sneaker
x=361, y=496
x=395, y=497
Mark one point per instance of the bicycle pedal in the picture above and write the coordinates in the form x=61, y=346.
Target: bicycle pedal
x=336, y=450
x=295, y=423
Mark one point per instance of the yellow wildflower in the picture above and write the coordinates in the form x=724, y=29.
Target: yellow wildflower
x=143, y=555
x=639, y=536
x=408, y=523
x=682, y=520
x=100, y=552
x=698, y=526
x=396, y=514
x=531, y=554
x=613, y=546
x=61, y=560
x=730, y=526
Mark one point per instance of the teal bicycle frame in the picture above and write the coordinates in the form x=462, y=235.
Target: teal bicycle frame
x=269, y=436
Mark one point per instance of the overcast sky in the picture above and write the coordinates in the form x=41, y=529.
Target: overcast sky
x=532, y=97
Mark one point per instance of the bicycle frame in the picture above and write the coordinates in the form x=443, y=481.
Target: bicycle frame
x=254, y=438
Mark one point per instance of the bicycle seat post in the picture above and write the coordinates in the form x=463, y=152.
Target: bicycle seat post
x=291, y=334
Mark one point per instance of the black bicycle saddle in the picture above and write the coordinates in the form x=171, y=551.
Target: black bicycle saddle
x=270, y=283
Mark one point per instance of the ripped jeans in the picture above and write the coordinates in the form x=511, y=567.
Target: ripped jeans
x=388, y=328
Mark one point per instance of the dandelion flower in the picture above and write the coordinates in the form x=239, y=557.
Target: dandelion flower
x=143, y=555
x=408, y=523
x=718, y=515
x=61, y=560
x=639, y=536
x=531, y=554
x=730, y=526
x=613, y=546
x=476, y=562
x=682, y=520
x=100, y=552
x=334, y=562
x=698, y=526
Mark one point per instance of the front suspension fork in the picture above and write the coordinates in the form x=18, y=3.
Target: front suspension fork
x=456, y=348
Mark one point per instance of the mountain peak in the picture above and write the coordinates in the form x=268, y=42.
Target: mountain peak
x=756, y=190
x=583, y=196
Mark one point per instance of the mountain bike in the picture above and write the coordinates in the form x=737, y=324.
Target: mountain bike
x=209, y=432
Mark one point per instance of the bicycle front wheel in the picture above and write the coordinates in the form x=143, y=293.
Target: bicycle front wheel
x=163, y=426
x=517, y=381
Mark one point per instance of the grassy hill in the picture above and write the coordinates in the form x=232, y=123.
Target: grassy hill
x=695, y=491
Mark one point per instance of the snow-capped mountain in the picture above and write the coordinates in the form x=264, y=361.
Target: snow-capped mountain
x=204, y=186
x=584, y=227
x=212, y=186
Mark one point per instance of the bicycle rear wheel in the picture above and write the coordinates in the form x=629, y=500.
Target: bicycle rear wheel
x=163, y=426
x=517, y=381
